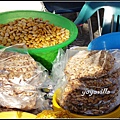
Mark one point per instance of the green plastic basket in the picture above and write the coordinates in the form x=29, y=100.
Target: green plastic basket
x=46, y=55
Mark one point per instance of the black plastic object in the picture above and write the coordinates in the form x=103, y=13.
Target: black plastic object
x=63, y=7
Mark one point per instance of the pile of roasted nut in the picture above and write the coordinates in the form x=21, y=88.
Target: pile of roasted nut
x=54, y=114
x=92, y=87
x=19, y=78
x=34, y=32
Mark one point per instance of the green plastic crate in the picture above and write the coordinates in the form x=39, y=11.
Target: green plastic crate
x=43, y=55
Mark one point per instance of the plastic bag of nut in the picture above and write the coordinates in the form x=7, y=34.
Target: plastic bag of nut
x=88, y=80
x=21, y=79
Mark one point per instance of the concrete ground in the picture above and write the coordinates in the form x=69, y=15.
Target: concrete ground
x=83, y=38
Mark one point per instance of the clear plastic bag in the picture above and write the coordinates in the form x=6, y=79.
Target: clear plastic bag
x=21, y=80
x=90, y=83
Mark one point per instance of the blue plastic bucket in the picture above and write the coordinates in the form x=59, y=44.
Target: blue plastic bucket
x=105, y=42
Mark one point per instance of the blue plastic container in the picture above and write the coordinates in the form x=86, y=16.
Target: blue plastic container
x=105, y=42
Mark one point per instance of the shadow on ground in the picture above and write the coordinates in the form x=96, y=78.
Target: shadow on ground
x=83, y=38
